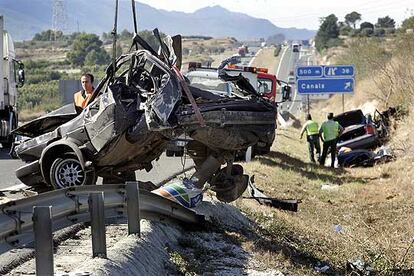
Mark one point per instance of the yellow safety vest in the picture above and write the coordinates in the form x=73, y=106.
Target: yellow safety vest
x=311, y=127
x=330, y=130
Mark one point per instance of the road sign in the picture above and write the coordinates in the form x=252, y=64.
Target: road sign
x=309, y=71
x=325, y=79
x=324, y=85
x=339, y=71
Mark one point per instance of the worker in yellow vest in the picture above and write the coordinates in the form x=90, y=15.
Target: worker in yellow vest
x=81, y=98
x=312, y=135
x=330, y=131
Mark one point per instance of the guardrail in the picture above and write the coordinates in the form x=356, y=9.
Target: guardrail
x=28, y=220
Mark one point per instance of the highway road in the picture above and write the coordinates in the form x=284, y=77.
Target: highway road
x=288, y=62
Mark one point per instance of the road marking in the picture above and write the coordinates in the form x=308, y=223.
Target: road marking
x=280, y=63
x=251, y=61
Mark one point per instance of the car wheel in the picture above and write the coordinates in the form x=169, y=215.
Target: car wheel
x=67, y=172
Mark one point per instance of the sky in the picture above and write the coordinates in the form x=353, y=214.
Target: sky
x=298, y=13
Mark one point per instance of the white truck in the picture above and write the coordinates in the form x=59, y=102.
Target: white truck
x=11, y=77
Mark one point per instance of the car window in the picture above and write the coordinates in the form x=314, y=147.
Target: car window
x=208, y=83
x=264, y=86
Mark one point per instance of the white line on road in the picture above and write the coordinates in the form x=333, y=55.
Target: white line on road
x=251, y=61
x=280, y=62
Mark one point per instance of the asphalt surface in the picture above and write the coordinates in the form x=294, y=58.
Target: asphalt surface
x=287, y=67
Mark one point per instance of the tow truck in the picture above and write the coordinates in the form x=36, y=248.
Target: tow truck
x=207, y=78
x=265, y=83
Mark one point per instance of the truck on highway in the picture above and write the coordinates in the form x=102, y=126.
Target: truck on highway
x=11, y=77
x=295, y=47
x=243, y=50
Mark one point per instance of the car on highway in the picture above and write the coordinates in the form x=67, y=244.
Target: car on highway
x=295, y=47
x=291, y=80
x=360, y=132
x=142, y=103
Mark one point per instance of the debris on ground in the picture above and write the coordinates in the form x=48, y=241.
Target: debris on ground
x=329, y=186
x=364, y=158
x=358, y=267
x=322, y=268
x=284, y=204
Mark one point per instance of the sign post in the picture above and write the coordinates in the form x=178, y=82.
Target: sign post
x=325, y=79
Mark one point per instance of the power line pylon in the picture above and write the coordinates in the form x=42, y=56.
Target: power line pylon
x=58, y=18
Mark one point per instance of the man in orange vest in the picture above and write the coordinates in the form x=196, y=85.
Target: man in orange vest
x=81, y=98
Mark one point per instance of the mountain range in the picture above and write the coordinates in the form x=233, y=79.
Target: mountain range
x=24, y=18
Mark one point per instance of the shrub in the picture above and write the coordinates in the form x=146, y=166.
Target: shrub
x=380, y=32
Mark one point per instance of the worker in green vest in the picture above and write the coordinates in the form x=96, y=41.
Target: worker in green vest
x=330, y=131
x=312, y=135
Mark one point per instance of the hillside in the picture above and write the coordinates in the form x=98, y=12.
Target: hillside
x=24, y=19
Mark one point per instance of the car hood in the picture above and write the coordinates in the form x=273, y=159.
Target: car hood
x=48, y=122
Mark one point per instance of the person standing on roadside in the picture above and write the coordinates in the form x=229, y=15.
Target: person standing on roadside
x=312, y=135
x=81, y=98
x=329, y=132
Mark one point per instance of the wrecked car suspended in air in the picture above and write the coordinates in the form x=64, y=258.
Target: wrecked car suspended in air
x=135, y=110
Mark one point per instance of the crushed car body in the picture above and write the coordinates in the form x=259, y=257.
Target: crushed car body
x=135, y=110
x=359, y=133
x=363, y=131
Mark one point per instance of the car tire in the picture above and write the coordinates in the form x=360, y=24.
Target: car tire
x=67, y=171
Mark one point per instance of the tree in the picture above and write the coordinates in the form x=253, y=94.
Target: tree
x=48, y=35
x=366, y=29
x=385, y=22
x=408, y=23
x=327, y=31
x=366, y=25
x=352, y=18
x=126, y=35
x=87, y=45
x=345, y=30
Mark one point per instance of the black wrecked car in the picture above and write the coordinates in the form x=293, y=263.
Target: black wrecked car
x=360, y=131
x=135, y=110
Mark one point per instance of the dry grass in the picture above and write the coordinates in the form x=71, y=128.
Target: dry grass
x=267, y=59
x=374, y=207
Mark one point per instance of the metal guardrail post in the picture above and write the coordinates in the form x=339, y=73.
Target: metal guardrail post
x=132, y=198
x=97, y=213
x=42, y=228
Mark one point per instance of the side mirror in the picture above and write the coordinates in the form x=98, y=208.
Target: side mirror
x=286, y=93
